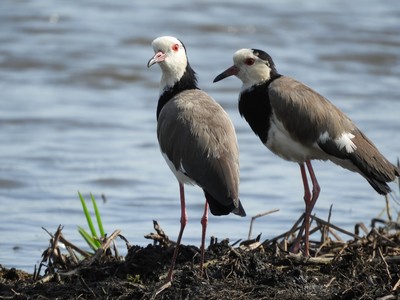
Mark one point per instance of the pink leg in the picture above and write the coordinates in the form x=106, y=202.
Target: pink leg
x=204, y=221
x=316, y=188
x=309, y=206
x=309, y=203
x=307, y=195
x=184, y=220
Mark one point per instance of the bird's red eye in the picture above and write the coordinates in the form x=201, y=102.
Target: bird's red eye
x=249, y=61
x=175, y=47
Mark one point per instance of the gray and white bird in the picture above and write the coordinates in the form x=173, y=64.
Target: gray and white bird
x=196, y=138
x=299, y=125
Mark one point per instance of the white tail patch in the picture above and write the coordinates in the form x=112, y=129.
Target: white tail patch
x=344, y=141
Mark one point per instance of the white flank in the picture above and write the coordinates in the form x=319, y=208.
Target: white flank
x=282, y=144
x=179, y=174
x=324, y=137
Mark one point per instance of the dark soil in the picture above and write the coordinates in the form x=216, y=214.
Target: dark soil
x=362, y=268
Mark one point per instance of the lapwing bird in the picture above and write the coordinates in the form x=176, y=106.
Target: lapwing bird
x=196, y=138
x=299, y=125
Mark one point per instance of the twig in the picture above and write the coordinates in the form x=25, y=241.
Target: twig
x=237, y=242
x=87, y=287
x=358, y=226
x=396, y=285
x=251, y=244
x=389, y=224
x=160, y=236
x=104, y=246
x=390, y=242
x=327, y=227
x=330, y=282
x=76, y=248
x=291, y=231
x=46, y=278
x=159, y=230
x=259, y=216
x=67, y=243
x=128, y=246
x=337, y=237
x=295, y=226
x=336, y=227
x=312, y=260
x=384, y=262
x=54, y=242
x=72, y=255
x=393, y=259
x=387, y=297
x=161, y=289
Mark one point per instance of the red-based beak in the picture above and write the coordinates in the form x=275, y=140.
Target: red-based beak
x=228, y=72
x=157, y=58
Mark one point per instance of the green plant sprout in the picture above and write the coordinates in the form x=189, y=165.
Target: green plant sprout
x=134, y=278
x=93, y=240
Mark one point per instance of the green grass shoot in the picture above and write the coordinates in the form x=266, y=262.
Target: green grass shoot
x=93, y=240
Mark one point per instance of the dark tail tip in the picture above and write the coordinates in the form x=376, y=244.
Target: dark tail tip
x=218, y=209
x=239, y=210
x=379, y=186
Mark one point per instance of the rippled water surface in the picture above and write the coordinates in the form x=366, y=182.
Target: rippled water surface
x=77, y=111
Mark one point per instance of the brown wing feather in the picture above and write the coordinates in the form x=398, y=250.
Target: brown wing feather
x=196, y=133
x=372, y=164
x=305, y=113
x=311, y=115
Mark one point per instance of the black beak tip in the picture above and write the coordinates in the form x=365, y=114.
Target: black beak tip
x=219, y=78
x=150, y=62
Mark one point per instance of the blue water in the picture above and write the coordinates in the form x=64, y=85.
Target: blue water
x=77, y=111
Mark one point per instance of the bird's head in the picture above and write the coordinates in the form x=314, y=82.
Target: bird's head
x=170, y=54
x=251, y=66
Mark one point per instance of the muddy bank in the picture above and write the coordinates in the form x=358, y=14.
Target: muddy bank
x=363, y=267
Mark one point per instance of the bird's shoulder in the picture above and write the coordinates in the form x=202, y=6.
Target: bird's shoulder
x=195, y=116
x=289, y=91
x=301, y=108
x=200, y=109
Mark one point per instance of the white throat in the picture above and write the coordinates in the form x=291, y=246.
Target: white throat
x=258, y=75
x=173, y=69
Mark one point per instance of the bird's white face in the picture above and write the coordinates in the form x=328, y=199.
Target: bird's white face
x=248, y=67
x=251, y=69
x=171, y=56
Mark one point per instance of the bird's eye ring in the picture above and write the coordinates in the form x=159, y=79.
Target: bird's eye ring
x=175, y=47
x=249, y=61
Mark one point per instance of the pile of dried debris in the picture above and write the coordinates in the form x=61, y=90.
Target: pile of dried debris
x=363, y=267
